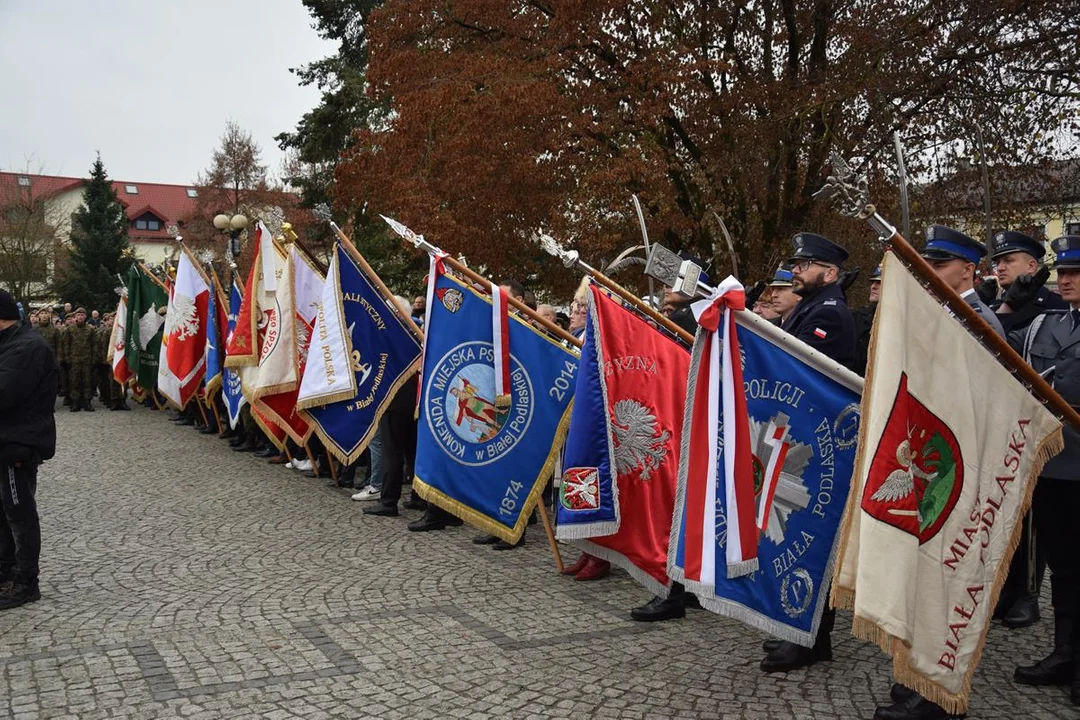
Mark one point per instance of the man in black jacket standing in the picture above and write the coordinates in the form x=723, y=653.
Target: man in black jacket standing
x=27, y=438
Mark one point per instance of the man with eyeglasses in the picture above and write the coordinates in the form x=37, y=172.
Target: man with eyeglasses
x=821, y=320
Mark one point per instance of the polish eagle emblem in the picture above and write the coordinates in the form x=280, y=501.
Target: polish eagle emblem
x=149, y=324
x=184, y=317
x=638, y=441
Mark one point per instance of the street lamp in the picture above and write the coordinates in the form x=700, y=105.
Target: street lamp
x=234, y=226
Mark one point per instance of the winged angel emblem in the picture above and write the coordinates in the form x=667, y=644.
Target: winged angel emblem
x=639, y=443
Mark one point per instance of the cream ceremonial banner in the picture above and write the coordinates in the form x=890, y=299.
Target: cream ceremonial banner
x=277, y=326
x=328, y=376
x=945, y=471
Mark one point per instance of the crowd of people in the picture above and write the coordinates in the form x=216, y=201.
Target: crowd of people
x=65, y=352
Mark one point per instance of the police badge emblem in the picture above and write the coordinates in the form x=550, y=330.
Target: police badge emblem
x=451, y=298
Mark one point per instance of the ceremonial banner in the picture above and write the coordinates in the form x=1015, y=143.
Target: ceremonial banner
x=117, y=341
x=305, y=287
x=246, y=341
x=182, y=362
x=276, y=331
x=802, y=416
x=232, y=391
x=147, y=302
x=622, y=450
x=945, y=472
x=329, y=378
x=214, y=354
x=485, y=465
x=385, y=354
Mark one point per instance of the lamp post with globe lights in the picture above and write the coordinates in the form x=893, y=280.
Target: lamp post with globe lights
x=233, y=226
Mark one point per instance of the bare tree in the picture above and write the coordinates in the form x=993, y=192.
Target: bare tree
x=29, y=236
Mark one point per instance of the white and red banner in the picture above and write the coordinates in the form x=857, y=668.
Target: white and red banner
x=944, y=474
x=306, y=283
x=117, y=357
x=183, y=345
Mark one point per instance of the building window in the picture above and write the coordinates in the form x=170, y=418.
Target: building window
x=131, y=189
x=140, y=224
x=1072, y=228
x=24, y=181
x=153, y=225
x=192, y=193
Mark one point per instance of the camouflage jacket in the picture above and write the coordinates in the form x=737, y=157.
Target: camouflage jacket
x=77, y=345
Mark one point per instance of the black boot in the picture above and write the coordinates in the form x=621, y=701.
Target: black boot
x=247, y=445
x=914, y=707
x=435, y=518
x=88, y=405
x=75, y=407
x=19, y=593
x=266, y=452
x=789, y=656
x=659, y=608
x=1023, y=613
x=1057, y=667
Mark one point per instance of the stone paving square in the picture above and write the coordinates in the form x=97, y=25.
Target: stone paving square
x=183, y=580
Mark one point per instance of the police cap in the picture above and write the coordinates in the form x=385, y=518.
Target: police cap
x=944, y=243
x=809, y=246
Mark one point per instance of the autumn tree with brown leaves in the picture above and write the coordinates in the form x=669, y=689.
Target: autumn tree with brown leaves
x=513, y=118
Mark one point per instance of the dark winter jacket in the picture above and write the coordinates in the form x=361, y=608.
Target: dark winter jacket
x=27, y=396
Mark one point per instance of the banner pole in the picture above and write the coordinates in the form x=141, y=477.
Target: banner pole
x=217, y=415
x=546, y=521
x=311, y=459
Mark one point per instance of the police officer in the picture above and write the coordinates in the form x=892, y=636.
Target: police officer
x=954, y=257
x=783, y=297
x=1052, y=345
x=1017, y=260
x=864, y=322
x=78, y=352
x=821, y=320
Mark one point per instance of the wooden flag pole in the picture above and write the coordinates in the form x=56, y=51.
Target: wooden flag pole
x=217, y=415
x=552, y=543
x=311, y=459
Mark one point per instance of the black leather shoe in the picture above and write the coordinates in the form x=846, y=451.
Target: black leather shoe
x=503, y=545
x=915, y=707
x=485, y=540
x=184, y=422
x=208, y=430
x=18, y=593
x=74, y=407
x=899, y=693
x=122, y=406
x=245, y=447
x=427, y=523
x=414, y=503
x=88, y=407
x=236, y=441
x=789, y=656
x=771, y=645
x=267, y=452
x=1023, y=613
x=659, y=609
x=1051, y=670
x=382, y=511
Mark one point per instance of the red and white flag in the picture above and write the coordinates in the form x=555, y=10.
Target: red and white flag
x=117, y=340
x=183, y=345
x=719, y=381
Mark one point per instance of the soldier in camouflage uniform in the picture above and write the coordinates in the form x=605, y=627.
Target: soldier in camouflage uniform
x=78, y=351
x=43, y=323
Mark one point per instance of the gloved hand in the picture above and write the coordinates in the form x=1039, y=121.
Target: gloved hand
x=754, y=293
x=848, y=278
x=1025, y=288
x=987, y=290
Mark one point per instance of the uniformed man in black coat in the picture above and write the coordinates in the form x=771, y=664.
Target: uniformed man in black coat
x=864, y=323
x=821, y=320
x=1051, y=344
x=1017, y=260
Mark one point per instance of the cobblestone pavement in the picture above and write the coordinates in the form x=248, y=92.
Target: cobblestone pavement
x=180, y=579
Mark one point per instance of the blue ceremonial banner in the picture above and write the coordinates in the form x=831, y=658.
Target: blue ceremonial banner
x=214, y=350
x=231, y=390
x=804, y=425
x=486, y=465
x=385, y=354
x=587, y=505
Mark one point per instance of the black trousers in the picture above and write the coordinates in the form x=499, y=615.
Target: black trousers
x=398, y=430
x=1027, y=567
x=20, y=532
x=1057, y=506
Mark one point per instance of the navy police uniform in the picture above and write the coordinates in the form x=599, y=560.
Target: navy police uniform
x=944, y=243
x=1052, y=346
x=822, y=319
x=864, y=326
x=1006, y=243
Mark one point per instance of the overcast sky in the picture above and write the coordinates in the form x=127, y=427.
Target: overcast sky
x=149, y=83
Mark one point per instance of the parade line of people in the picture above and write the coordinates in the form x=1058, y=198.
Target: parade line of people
x=49, y=354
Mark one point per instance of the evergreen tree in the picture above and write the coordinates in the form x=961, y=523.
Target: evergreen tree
x=99, y=246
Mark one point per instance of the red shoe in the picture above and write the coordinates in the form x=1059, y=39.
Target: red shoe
x=594, y=569
x=578, y=566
